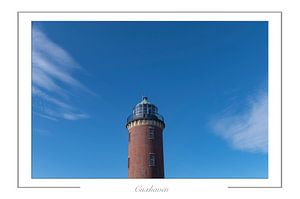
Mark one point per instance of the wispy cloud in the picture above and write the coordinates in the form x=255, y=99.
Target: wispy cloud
x=42, y=132
x=247, y=131
x=53, y=77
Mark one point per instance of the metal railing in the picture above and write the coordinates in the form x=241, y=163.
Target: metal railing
x=156, y=116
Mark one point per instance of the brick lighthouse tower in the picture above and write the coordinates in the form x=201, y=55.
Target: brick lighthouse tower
x=145, y=141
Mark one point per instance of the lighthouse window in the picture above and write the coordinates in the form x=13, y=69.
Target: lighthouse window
x=151, y=159
x=128, y=161
x=151, y=133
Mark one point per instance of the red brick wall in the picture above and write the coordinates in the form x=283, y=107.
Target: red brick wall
x=139, y=148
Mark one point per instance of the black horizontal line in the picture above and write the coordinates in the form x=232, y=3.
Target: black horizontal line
x=208, y=178
x=50, y=187
x=149, y=11
x=255, y=187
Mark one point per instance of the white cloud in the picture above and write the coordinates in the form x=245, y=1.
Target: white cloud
x=247, y=131
x=45, y=116
x=42, y=80
x=42, y=44
x=75, y=116
x=42, y=132
x=54, y=63
x=52, y=76
x=37, y=92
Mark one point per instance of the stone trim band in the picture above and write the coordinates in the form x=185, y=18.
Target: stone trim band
x=145, y=122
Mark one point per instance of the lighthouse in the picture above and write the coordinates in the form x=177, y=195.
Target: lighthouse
x=145, y=141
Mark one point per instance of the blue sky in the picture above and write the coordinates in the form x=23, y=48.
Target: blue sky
x=208, y=79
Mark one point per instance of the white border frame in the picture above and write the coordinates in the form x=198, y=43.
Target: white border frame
x=124, y=185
